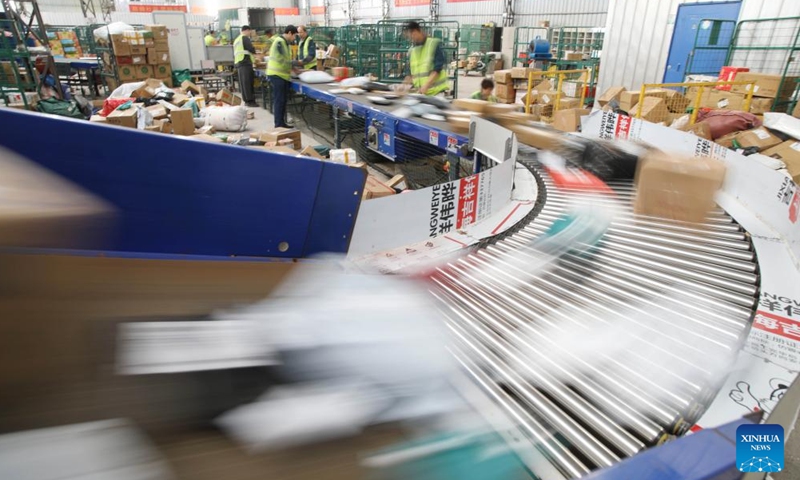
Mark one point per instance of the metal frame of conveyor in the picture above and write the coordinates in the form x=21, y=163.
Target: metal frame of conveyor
x=381, y=123
x=176, y=196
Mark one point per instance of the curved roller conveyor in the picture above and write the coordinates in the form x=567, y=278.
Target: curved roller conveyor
x=611, y=347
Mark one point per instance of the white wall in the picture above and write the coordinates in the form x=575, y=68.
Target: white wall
x=638, y=36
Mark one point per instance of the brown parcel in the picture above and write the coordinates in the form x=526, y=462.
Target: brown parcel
x=570, y=119
x=158, y=111
x=612, y=93
x=539, y=137
x=676, y=102
x=757, y=137
x=310, y=151
x=182, y=121
x=281, y=149
x=494, y=109
x=677, y=187
x=279, y=134
x=206, y=138
x=700, y=129
x=40, y=209
x=519, y=72
x=721, y=100
x=767, y=85
x=653, y=109
x=789, y=153
x=503, y=77
x=123, y=118
x=627, y=100
x=473, y=105
x=459, y=123
x=374, y=188
x=761, y=105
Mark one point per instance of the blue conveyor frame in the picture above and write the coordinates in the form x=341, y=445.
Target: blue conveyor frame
x=444, y=139
x=176, y=196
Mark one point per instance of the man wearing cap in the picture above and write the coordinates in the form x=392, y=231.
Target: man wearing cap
x=306, y=50
x=279, y=72
x=243, y=53
x=426, y=62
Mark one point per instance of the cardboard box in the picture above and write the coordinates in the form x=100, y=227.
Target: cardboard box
x=757, y=137
x=154, y=57
x=179, y=99
x=676, y=102
x=123, y=118
x=182, y=121
x=124, y=61
x=721, y=100
x=627, y=100
x=143, y=72
x=458, y=124
x=700, y=129
x=677, y=187
x=162, y=72
x=572, y=89
x=97, y=119
x=374, y=188
x=573, y=56
x=761, y=105
x=120, y=45
x=206, y=138
x=505, y=91
x=568, y=103
x=344, y=155
x=503, y=77
x=195, y=89
x=789, y=153
x=138, y=59
x=569, y=120
x=138, y=50
x=767, y=86
x=728, y=74
x=610, y=94
x=126, y=73
x=519, y=72
x=494, y=109
x=470, y=104
x=279, y=134
x=283, y=150
x=226, y=96
x=162, y=46
x=653, y=109
x=310, y=151
x=539, y=137
x=158, y=31
x=159, y=112
x=516, y=118
x=547, y=97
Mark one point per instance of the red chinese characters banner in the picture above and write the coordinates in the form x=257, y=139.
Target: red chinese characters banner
x=156, y=8
x=457, y=1
x=317, y=10
x=287, y=11
x=410, y=3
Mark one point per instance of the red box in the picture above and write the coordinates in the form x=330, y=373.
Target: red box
x=728, y=74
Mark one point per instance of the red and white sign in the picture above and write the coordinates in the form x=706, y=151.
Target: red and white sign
x=467, y=201
x=289, y=12
x=133, y=8
x=433, y=137
x=410, y=3
x=317, y=10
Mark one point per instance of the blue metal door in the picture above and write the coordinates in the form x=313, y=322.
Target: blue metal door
x=688, y=20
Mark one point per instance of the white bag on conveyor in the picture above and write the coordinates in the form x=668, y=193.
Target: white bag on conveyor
x=316, y=76
x=225, y=119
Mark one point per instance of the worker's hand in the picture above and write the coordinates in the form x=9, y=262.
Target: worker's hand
x=407, y=81
x=423, y=90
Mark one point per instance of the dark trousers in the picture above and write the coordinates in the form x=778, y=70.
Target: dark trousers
x=246, y=82
x=280, y=95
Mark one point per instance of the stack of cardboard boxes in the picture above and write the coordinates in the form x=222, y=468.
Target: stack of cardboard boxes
x=140, y=54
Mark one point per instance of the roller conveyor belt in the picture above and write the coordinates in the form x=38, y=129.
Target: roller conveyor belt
x=681, y=291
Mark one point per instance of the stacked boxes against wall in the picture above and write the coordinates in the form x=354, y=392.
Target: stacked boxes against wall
x=141, y=54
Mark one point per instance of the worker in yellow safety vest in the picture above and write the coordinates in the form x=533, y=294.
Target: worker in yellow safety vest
x=243, y=53
x=426, y=62
x=306, y=50
x=210, y=39
x=279, y=72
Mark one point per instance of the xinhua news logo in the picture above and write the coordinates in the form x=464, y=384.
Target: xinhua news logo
x=759, y=448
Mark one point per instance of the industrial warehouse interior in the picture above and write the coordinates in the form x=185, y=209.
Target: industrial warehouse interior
x=399, y=239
